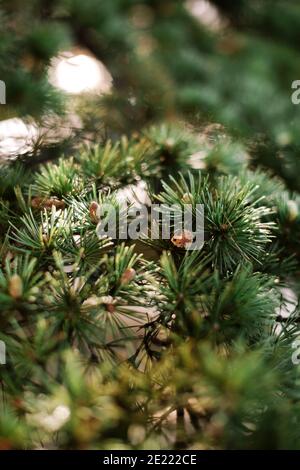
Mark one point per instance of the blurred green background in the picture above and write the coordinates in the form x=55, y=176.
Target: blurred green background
x=197, y=61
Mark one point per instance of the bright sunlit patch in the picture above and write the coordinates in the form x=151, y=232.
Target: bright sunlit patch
x=80, y=73
x=206, y=13
x=16, y=137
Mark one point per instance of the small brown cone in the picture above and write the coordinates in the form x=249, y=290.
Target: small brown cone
x=41, y=203
x=94, y=207
x=110, y=308
x=127, y=276
x=15, y=286
x=182, y=239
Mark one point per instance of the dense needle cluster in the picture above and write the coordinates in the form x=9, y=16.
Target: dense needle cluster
x=121, y=344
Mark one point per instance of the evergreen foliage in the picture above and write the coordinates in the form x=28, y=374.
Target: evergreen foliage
x=115, y=344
